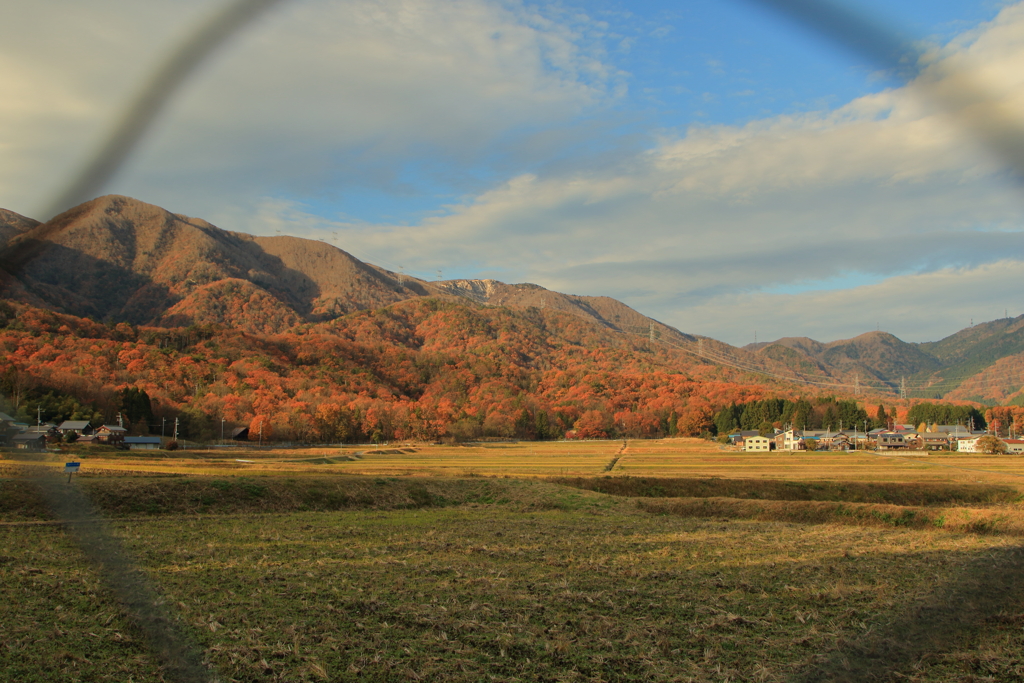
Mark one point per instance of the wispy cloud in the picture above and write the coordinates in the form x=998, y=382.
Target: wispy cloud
x=887, y=184
x=317, y=94
x=697, y=227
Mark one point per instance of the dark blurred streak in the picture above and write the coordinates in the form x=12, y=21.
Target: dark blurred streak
x=179, y=658
x=957, y=90
x=158, y=90
x=856, y=32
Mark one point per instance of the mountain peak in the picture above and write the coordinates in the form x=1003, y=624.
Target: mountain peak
x=121, y=258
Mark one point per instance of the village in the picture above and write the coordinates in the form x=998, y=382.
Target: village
x=897, y=437
x=35, y=437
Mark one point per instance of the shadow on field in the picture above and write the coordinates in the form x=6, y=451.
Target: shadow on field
x=180, y=659
x=988, y=593
x=768, y=489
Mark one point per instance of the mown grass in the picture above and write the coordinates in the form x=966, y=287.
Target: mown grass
x=667, y=458
x=284, y=577
x=498, y=593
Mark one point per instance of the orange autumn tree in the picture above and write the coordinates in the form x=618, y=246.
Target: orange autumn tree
x=260, y=429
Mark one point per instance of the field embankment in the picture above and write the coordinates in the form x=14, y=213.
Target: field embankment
x=963, y=508
x=21, y=499
x=892, y=493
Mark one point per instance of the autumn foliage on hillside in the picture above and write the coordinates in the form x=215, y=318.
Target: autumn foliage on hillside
x=419, y=369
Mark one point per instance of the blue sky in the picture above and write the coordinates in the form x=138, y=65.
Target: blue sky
x=682, y=64
x=718, y=166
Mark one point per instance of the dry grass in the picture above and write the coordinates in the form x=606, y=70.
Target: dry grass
x=678, y=458
x=491, y=593
x=295, y=569
x=901, y=493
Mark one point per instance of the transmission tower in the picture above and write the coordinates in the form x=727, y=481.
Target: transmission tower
x=903, y=387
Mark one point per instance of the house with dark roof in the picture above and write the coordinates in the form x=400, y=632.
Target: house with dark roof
x=891, y=441
x=933, y=441
x=111, y=434
x=29, y=441
x=75, y=427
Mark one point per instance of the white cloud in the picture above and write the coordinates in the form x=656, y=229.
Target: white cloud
x=916, y=308
x=887, y=184
x=693, y=231
x=314, y=95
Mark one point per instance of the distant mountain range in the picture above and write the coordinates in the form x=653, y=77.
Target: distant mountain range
x=983, y=363
x=117, y=258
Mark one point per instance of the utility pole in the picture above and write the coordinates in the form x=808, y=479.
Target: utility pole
x=261, y=433
x=222, y=430
x=120, y=420
x=163, y=425
x=175, y=429
x=39, y=416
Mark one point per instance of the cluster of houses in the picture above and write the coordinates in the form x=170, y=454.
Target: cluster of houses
x=898, y=437
x=35, y=437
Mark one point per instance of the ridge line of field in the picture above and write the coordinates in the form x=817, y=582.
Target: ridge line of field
x=942, y=464
x=959, y=519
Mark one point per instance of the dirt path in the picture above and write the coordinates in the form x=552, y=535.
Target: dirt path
x=618, y=456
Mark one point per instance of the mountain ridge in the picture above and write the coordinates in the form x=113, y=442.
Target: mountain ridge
x=988, y=358
x=121, y=259
x=117, y=257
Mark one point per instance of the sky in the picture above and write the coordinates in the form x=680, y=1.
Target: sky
x=721, y=167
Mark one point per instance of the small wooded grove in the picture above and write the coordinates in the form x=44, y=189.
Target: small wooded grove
x=420, y=369
x=825, y=412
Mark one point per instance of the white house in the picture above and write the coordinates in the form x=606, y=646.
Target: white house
x=757, y=443
x=967, y=445
x=1014, y=445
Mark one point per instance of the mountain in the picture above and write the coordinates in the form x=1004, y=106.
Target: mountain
x=874, y=357
x=13, y=224
x=983, y=363
x=121, y=259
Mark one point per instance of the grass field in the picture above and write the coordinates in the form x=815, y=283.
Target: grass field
x=659, y=458
x=375, y=568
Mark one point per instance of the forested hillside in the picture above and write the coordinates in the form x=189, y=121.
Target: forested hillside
x=215, y=326
x=425, y=368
